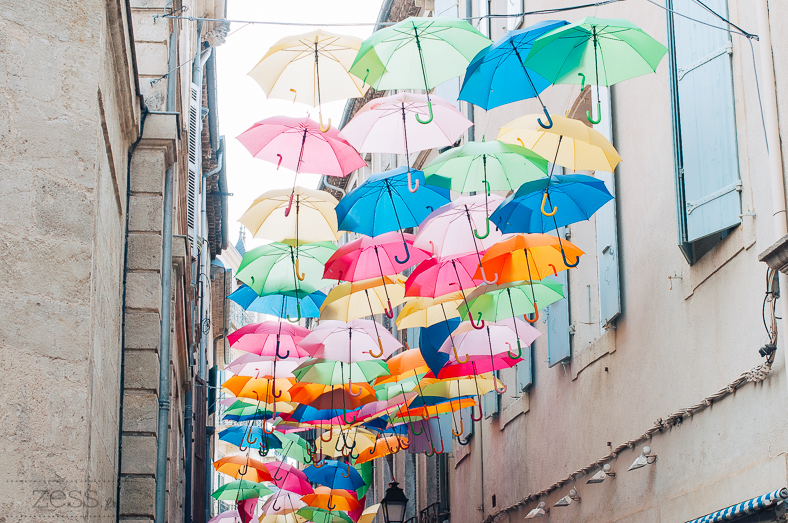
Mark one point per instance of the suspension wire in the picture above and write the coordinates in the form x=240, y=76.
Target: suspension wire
x=741, y=32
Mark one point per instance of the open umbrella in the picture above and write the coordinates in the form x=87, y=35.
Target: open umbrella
x=332, y=499
x=283, y=502
x=240, y=466
x=509, y=300
x=228, y=516
x=352, y=341
x=335, y=474
x=240, y=489
x=322, y=397
x=269, y=339
x=263, y=366
x=259, y=389
x=528, y=257
x=291, y=517
x=496, y=339
x=314, y=219
x=317, y=515
x=353, y=300
x=425, y=311
x=288, y=477
x=282, y=304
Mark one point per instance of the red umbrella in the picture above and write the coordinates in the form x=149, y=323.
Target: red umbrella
x=288, y=477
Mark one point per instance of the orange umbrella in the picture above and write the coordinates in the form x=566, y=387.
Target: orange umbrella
x=323, y=397
x=332, y=499
x=526, y=257
x=384, y=446
x=241, y=466
x=410, y=361
x=431, y=411
x=260, y=389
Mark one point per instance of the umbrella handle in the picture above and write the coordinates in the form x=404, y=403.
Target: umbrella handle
x=501, y=391
x=352, y=456
x=544, y=200
x=481, y=414
x=282, y=357
x=563, y=255
x=295, y=95
x=536, y=315
x=402, y=446
x=521, y=143
x=301, y=276
x=379, y=354
x=329, y=503
x=251, y=440
x=273, y=504
x=484, y=276
x=324, y=433
x=389, y=314
x=241, y=446
x=411, y=187
x=582, y=81
x=480, y=326
x=324, y=130
x=442, y=450
x=289, y=205
x=267, y=432
x=421, y=428
x=549, y=120
x=310, y=446
x=278, y=479
x=487, y=185
x=457, y=357
x=432, y=245
x=464, y=443
x=364, y=81
x=598, y=114
x=429, y=106
x=264, y=449
x=487, y=233
x=344, y=418
x=519, y=350
x=555, y=272
x=350, y=390
x=280, y=161
x=407, y=252
x=462, y=428
x=348, y=471
x=298, y=307
x=431, y=452
x=246, y=469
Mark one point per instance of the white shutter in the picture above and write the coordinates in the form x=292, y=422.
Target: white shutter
x=195, y=129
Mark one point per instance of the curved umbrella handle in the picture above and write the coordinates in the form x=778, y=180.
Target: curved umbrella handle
x=536, y=316
x=501, y=391
x=549, y=120
x=402, y=446
x=251, y=440
x=273, y=504
x=364, y=81
x=519, y=350
x=389, y=314
x=352, y=456
x=324, y=440
x=481, y=414
x=264, y=448
x=310, y=446
x=457, y=357
x=582, y=82
x=442, y=450
x=267, y=432
x=432, y=246
x=429, y=106
x=484, y=276
x=300, y=276
x=246, y=469
x=487, y=185
x=486, y=234
x=563, y=255
x=281, y=357
x=329, y=503
x=555, y=272
x=324, y=130
x=544, y=200
x=350, y=390
x=426, y=414
x=407, y=252
x=431, y=452
x=278, y=479
x=411, y=187
x=279, y=163
x=374, y=448
x=521, y=143
x=344, y=418
x=379, y=354
x=298, y=308
x=478, y=327
x=464, y=443
x=413, y=431
x=462, y=428
x=598, y=114
x=289, y=205
x=348, y=471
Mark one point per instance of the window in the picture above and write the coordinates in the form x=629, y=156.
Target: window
x=708, y=183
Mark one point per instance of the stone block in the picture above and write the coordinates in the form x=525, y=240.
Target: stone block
x=139, y=455
x=16, y=198
x=142, y=330
x=146, y=213
x=147, y=170
x=137, y=496
x=142, y=370
x=146, y=4
x=149, y=29
x=60, y=209
x=140, y=412
x=31, y=64
x=154, y=91
x=152, y=58
x=144, y=251
x=143, y=291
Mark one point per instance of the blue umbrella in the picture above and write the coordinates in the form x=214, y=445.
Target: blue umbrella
x=497, y=76
x=384, y=203
x=282, y=304
x=431, y=339
x=335, y=475
x=244, y=436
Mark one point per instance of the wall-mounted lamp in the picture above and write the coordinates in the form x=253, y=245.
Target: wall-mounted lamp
x=568, y=499
x=645, y=458
x=600, y=476
x=538, y=512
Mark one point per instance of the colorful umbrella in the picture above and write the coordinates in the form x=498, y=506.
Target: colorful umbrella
x=496, y=339
x=430, y=341
x=425, y=311
x=353, y=341
x=240, y=466
x=288, y=502
x=228, y=516
x=259, y=389
x=335, y=475
x=289, y=477
x=240, y=410
x=282, y=518
x=369, y=257
x=353, y=300
x=332, y=499
x=509, y=300
x=240, y=489
x=244, y=436
x=527, y=257
x=384, y=446
x=272, y=339
x=314, y=220
x=439, y=276
x=263, y=366
x=317, y=515
x=281, y=304
x=322, y=397
x=330, y=372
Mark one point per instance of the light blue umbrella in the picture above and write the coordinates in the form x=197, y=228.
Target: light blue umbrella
x=283, y=304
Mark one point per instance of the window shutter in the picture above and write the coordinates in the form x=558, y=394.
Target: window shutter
x=450, y=89
x=708, y=168
x=525, y=372
x=607, y=230
x=195, y=124
x=514, y=7
x=559, y=348
x=492, y=401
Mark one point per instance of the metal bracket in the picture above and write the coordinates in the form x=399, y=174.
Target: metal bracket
x=691, y=206
x=726, y=49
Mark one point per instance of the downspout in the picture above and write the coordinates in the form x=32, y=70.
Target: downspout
x=774, y=147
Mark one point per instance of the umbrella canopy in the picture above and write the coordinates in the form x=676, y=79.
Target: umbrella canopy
x=259, y=389
x=282, y=518
x=439, y=276
x=240, y=410
x=430, y=341
x=263, y=366
x=240, y=489
x=353, y=341
x=528, y=257
x=240, y=466
x=425, y=311
x=508, y=300
x=369, y=257
x=281, y=304
x=460, y=388
x=332, y=499
x=317, y=515
x=228, y=516
x=283, y=502
x=497, y=76
x=385, y=445
x=475, y=367
x=269, y=338
x=406, y=361
x=313, y=218
x=353, y=300
x=322, y=397
x=242, y=436
x=289, y=478
x=335, y=475
x=495, y=339
x=330, y=372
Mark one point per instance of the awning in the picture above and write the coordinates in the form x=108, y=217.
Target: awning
x=744, y=508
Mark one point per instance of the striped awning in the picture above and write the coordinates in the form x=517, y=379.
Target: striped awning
x=744, y=508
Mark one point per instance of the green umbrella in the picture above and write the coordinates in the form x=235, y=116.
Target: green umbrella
x=388, y=391
x=365, y=471
x=400, y=56
x=330, y=372
x=242, y=411
x=241, y=489
x=318, y=515
x=293, y=446
x=609, y=50
x=498, y=302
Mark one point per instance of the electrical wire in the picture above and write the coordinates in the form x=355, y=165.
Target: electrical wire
x=742, y=33
x=710, y=10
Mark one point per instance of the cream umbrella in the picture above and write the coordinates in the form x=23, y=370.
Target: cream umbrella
x=311, y=217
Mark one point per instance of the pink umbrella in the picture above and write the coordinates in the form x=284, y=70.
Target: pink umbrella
x=473, y=368
x=299, y=144
x=356, y=340
x=229, y=516
x=389, y=125
x=496, y=339
x=269, y=339
x=440, y=276
x=254, y=365
x=284, y=502
x=288, y=477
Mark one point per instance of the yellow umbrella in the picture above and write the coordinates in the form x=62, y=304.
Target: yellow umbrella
x=291, y=517
x=337, y=441
x=353, y=300
x=368, y=516
x=425, y=311
x=311, y=68
x=569, y=143
x=457, y=388
x=311, y=217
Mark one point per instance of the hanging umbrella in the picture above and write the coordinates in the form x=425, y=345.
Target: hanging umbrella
x=281, y=304
x=244, y=436
x=332, y=499
x=242, y=410
x=453, y=369
x=425, y=311
x=385, y=445
x=288, y=477
x=353, y=300
x=569, y=143
x=284, y=502
x=240, y=489
x=497, y=75
x=269, y=339
x=496, y=339
x=322, y=397
x=353, y=341
x=317, y=515
x=281, y=518
x=528, y=257
x=402, y=55
x=228, y=516
x=240, y=466
x=606, y=50
x=335, y=475
x=294, y=446
x=464, y=387
x=295, y=65
x=390, y=125
x=383, y=203
x=509, y=300
x=263, y=366
x=259, y=389
x=430, y=341
x=314, y=219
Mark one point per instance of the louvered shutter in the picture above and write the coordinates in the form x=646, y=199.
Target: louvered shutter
x=195, y=128
x=708, y=168
x=559, y=348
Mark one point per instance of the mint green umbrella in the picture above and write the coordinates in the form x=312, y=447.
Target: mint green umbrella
x=318, y=515
x=418, y=53
x=330, y=372
x=609, y=50
x=241, y=489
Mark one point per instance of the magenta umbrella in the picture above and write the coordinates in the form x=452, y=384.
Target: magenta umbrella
x=350, y=342
x=254, y=365
x=269, y=338
x=299, y=145
x=389, y=125
x=290, y=478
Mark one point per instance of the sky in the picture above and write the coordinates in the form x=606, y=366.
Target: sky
x=242, y=102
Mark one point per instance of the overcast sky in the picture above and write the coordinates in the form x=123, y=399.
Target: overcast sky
x=242, y=102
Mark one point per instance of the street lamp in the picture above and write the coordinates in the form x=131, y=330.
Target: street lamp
x=394, y=503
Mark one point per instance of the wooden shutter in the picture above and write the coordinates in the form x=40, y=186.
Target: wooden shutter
x=707, y=159
x=559, y=347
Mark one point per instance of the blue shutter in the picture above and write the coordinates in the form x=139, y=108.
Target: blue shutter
x=703, y=83
x=492, y=401
x=559, y=348
x=525, y=372
x=450, y=89
x=607, y=230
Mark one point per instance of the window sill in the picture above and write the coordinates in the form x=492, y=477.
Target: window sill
x=602, y=346
x=460, y=453
x=520, y=406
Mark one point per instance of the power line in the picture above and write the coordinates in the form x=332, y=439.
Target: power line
x=740, y=32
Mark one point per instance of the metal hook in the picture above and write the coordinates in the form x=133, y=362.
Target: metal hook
x=407, y=252
x=480, y=326
x=544, y=200
x=484, y=276
x=457, y=357
x=411, y=188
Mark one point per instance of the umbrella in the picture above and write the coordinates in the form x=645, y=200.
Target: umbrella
x=260, y=389
x=317, y=515
x=298, y=63
x=269, y=339
x=243, y=436
x=322, y=397
x=528, y=257
x=430, y=341
x=330, y=372
x=228, y=516
x=240, y=489
x=241, y=410
x=607, y=50
x=353, y=300
x=281, y=518
x=240, y=466
x=383, y=203
x=499, y=337
x=389, y=125
x=384, y=446
x=569, y=143
x=352, y=341
x=509, y=300
x=332, y=499
x=257, y=366
x=402, y=55
x=335, y=474
x=281, y=304
x=425, y=311
x=289, y=477
x=497, y=75
x=266, y=217
x=453, y=369
x=283, y=498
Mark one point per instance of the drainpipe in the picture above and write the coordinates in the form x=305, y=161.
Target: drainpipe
x=773, y=145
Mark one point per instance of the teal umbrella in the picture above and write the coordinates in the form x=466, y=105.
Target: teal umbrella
x=418, y=53
x=330, y=372
x=241, y=489
x=499, y=302
x=609, y=50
